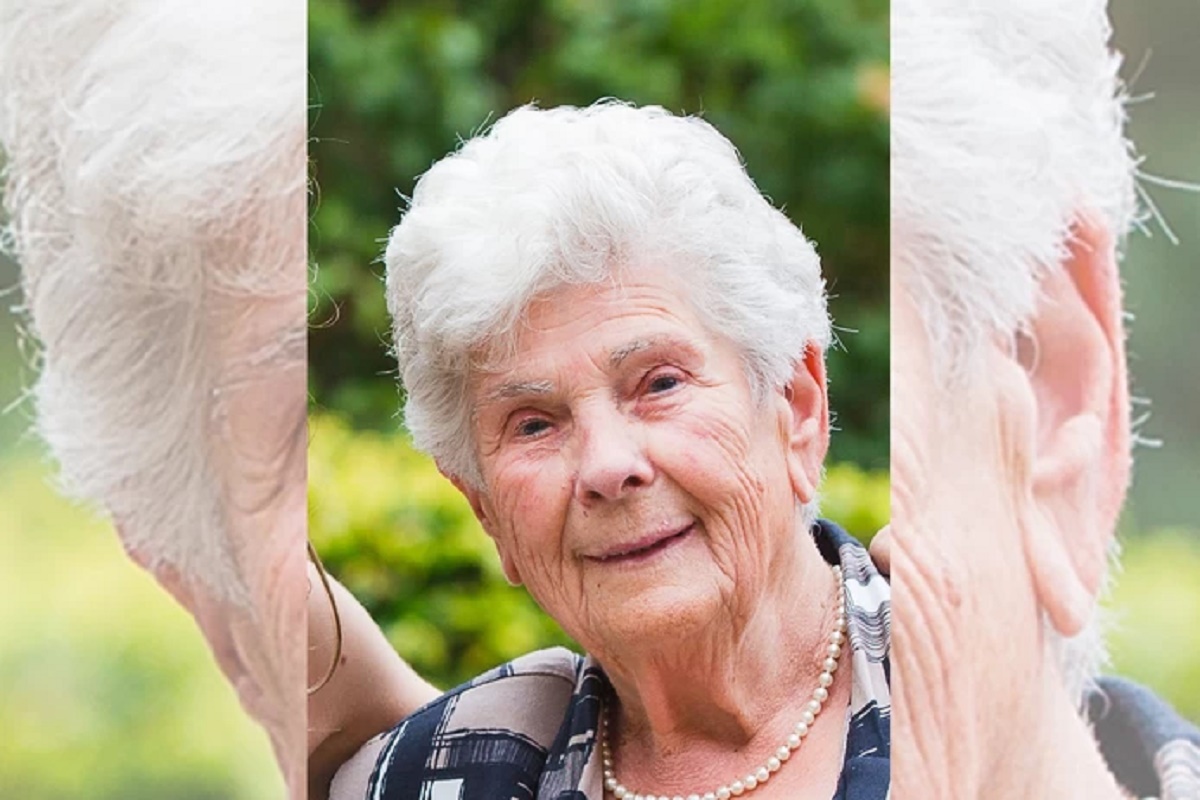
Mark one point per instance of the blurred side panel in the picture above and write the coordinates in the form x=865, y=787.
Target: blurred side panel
x=154, y=191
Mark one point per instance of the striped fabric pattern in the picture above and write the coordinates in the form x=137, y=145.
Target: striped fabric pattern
x=1151, y=750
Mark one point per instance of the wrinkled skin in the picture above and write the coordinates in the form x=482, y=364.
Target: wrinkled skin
x=1006, y=485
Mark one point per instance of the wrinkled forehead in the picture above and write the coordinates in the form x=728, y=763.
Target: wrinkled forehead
x=628, y=304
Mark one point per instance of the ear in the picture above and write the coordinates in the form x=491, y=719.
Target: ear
x=806, y=423
x=479, y=505
x=1075, y=364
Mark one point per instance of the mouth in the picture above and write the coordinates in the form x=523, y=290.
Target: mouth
x=645, y=548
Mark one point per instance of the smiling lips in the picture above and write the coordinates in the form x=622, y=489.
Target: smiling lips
x=645, y=546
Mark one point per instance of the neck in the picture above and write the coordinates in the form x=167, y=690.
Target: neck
x=745, y=675
x=961, y=732
x=1057, y=756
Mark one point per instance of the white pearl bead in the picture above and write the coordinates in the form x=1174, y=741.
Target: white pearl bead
x=774, y=763
x=620, y=792
x=750, y=782
x=801, y=729
x=807, y=717
x=763, y=774
x=820, y=694
x=830, y=665
x=784, y=753
x=723, y=793
x=693, y=797
x=793, y=741
x=825, y=679
x=710, y=796
x=610, y=782
x=737, y=788
x=814, y=705
x=834, y=650
x=837, y=637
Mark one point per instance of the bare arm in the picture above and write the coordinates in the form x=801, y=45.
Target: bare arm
x=370, y=692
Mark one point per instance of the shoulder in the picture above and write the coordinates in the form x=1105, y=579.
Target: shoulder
x=868, y=628
x=1149, y=748
x=868, y=594
x=493, y=731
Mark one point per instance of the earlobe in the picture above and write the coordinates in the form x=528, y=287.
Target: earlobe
x=1080, y=463
x=806, y=426
x=477, y=501
x=473, y=496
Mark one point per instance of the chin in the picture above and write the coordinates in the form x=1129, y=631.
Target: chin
x=665, y=615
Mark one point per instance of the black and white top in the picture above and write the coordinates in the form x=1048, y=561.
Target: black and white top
x=528, y=729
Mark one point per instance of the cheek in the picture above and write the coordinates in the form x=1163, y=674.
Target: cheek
x=909, y=468
x=735, y=474
x=531, y=505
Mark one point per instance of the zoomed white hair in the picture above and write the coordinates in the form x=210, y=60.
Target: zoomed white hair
x=1007, y=125
x=155, y=183
x=569, y=196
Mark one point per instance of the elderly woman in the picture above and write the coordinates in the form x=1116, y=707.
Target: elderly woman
x=613, y=346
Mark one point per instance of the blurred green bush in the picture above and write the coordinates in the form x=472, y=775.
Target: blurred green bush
x=405, y=542
x=1152, y=632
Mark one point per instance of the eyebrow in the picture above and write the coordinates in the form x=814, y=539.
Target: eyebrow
x=511, y=389
x=620, y=354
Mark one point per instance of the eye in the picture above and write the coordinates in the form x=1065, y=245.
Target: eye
x=663, y=382
x=530, y=427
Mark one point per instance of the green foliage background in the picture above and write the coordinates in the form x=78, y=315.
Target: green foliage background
x=107, y=690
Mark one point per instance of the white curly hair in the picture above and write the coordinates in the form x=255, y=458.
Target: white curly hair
x=569, y=195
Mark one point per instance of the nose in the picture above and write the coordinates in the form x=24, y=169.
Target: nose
x=613, y=461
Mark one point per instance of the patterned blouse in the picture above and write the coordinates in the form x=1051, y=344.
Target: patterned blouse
x=527, y=730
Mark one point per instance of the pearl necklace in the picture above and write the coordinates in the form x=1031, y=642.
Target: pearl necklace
x=772, y=765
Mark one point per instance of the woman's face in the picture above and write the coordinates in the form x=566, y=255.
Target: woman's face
x=630, y=479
